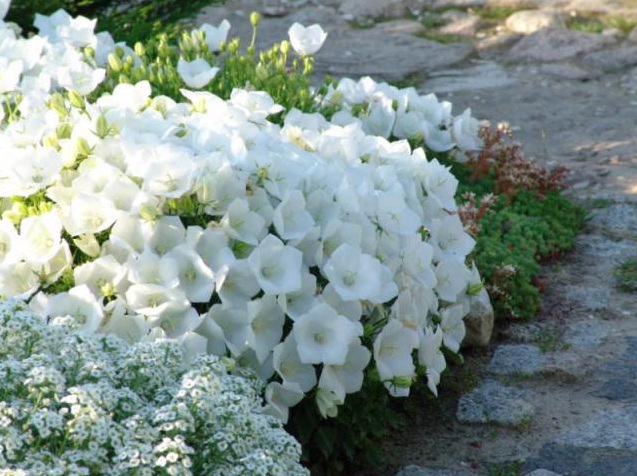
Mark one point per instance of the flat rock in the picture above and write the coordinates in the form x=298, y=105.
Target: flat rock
x=556, y=44
x=517, y=359
x=568, y=71
x=616, y=7
x=465, y=25
x=632, y=36
x=459, y=3
x=620, y=375
x=597, y=248
x=495, y=403
x=530, y=21
x=617, y=58
x=387, y=56
x=373, y=9
x=614, y=428
x=575, y=461
x=413, y=470
x=404, y=26
x=586, y=334
x=484, y=75
x=589, y=298
x=527, y=3
x=620, y=218
x=542, y=472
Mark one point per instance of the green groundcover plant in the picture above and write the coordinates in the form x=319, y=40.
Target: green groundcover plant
x=200, y=193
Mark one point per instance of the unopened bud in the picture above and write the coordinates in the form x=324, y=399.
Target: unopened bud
x=255, y=19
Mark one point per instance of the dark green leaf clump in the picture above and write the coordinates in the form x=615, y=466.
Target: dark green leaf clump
x=127, y=20
x=515, y=238
x=333, y=446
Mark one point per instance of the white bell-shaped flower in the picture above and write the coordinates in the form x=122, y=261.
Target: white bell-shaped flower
x=354, y=274
x=197, y=73
x=453, y=327
x=280, y=397
x=240, y=223
x=323, y=336
x=195, y=278
x=79, y=303
x=40, y=237
x=287, y=363
x=277, y=267
x=392, y=352
x=431, y=357
x=291, y=220
x=346, y=378
x=236, y=283
x=266, y=325
x=306, y=40
x=215, y=35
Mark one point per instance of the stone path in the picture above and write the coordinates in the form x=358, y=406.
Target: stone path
x=556, y=396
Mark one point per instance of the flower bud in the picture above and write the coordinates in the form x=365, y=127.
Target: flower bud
x=285, y=47
x=101, y=126
x=76, y=100
x=115, y=62
x=140, y=50
x=255, y=19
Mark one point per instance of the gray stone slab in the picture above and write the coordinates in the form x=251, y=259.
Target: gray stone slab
x=376, y=53
x=612, y=59
x=556, y=44
x=568, y=71
x=620, y=374
x=590, y=298
x=517, y=359
x=495, y=403
x=484, y=75
x=377, y=9
x=618, y=218
x=413, y=470
x=614, y=428
x=586, y=334
x=570, y=460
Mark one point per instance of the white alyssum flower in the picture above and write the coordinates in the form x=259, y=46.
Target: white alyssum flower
x=74, y=400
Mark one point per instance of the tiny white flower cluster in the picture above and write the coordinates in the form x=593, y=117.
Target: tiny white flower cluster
x=143, y=412
x=296, y=248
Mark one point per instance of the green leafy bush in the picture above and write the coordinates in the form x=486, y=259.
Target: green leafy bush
x=126, y=20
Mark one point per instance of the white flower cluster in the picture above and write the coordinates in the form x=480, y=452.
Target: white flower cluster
x=73, y=404
x=388, y=111
x=301, y=250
